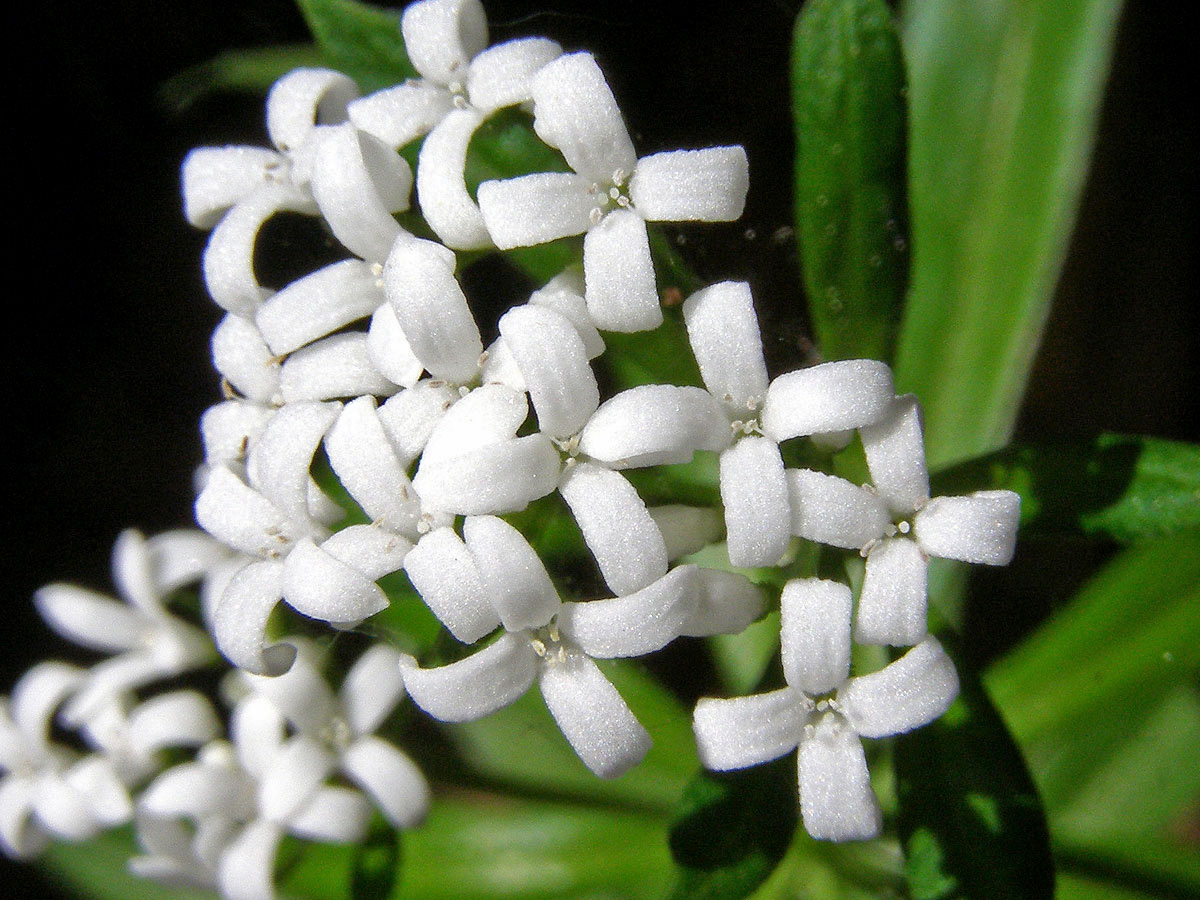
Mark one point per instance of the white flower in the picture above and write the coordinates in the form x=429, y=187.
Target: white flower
x=897, y=527
x=48, y=791
x=495, y=578
x=610, y=194
x=824, y=713
x=148, y=642
x=829, y=397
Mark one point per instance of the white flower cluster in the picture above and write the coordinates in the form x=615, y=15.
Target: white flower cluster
x=376, y=365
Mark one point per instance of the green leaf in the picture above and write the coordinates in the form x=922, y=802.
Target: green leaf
x=235, y=70
x=523, y=747
x=1126, y=487
x=848, y=108
x=360, y=40
x=970, y=818
x=1003, y=103
x=489, y=846
x=99, y=869
x=732, y=830
x=376, y=864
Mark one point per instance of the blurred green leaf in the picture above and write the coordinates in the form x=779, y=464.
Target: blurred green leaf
x=732, y=830
x=235, y=70
x=1127, y=487
x=848, y=109
x=1003, y=102
x=970, y=818
x=376, y=864
x=360, y=40
x=522, y=746
x=488, y=846
x=99, y=870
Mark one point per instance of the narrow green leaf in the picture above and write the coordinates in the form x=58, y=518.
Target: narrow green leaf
x=235, y=70
x=970, y=818
x=732, y=830
x=848, y=107
x=376, y=864
x=1126, y=487
x=360, y=40
x=522, y=746
x=1003, y=103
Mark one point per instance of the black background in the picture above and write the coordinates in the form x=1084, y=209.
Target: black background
x=105, y=363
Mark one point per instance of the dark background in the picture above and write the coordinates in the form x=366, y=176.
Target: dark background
x=105, y=362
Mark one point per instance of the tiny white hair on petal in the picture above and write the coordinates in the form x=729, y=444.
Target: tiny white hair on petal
x=441, y=183
x=318, y=304
x=399, y=115
x=831, y=510
x=895, y=451
x=618, y=274
x=303, y=99
x=757, y=508
x=442, y=36
x=515, y=580
x=977, y=528
x=502, y=75
x=836, y=800
x=892, y=603
x=747, y=731
x=815, y=634
x=723, y=331
x=446, y=576
x=244, y=360
x=706, y=185
x=830, y=396
x=336, y=366
x=910, y=692
x=218, y=178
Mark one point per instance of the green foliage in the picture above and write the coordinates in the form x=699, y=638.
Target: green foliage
x=360, y=40
x=1125, y=487
x=848, y=108
x=1003, y=99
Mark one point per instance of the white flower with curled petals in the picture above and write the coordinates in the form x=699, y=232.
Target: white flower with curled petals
x=48, y=791
x=148, y=643
x=335, y=733
x=494, y=578
x=610, y=194
x=897, y=527
x=830, y=397
x=824, y=713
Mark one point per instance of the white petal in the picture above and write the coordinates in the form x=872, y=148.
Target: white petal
x=534, y=209
x=442, y=187
x=686, y=529
x=411, y=415
x=177, y=719
x=654, y=424
x=757, y=509
x=723, y=331
x=895, y=450
x=491, y=480
x=334, y=815
x=564, y=294
x=474, y=687
x=303, y=99
x=278, y=464
x=637, y=623
x=501, y=75
x=20, y=836
x=258, y=731
x=318, y=304
x=575, y=111
x=358, y=182
x=217, y=178
x=371, y=689
x=593, y=717
x=514, y=578
x=554, y=364
x=432, y=310
x=321, y=587
x=365, y=463
x=240, y=620
x=691, y=185
x=182, y=556
x=390, y=778
x=892, y=605
x=62, y=809
x=836, y=800
x=833, y=511
x=815, y=634
x=618, y=530
x=372, y=550
x=619, y=274
x=978, y=528
x=747, y=731
x=229, y=254
x=300, y=694
x=228, y=429
x=89, y=619
x=240, y=516
x=487, y=415
x=831, y=396
x=441, y=36
x=445, y=575
x=295, y=773
x=910, y=692
x=336, y=366
x=401, y=114
x=197, y=790
x=389, y=350
x=107, y=798
x=246, y=869
x=243, y=358
x=37, y=694
x=727, y=603
x=500, y=367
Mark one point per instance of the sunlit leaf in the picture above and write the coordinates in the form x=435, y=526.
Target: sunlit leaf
x=1003, y=102
x=361, y=40
x=848, y=108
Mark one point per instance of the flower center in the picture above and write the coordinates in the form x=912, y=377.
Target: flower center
x=609, y=195
x=336, y=735
x=747, y=426
x=548, y=644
